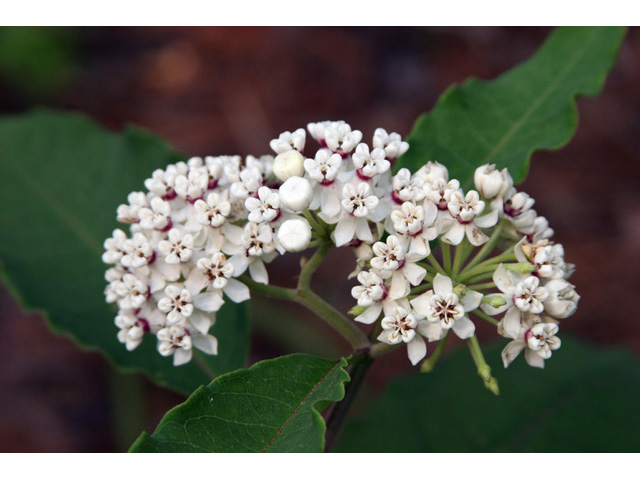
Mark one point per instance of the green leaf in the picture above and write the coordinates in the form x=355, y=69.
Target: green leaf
x=529, y=108
x=61, y=179
x=274, y=406
x=585, y=400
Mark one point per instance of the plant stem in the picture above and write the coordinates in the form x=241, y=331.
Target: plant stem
x=432, y=260
x=317, y=305
x=446, y=257
x=488, y=247
x=380, y=349
x=430, y=363
x=477, y=278
x=484, y=316
x=304, y=281
x=484, y=370
x=482, y=286
x=462, y=252
x=340, y=409
x=315, y=225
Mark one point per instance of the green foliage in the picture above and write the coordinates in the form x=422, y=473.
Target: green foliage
x=61, y=179
x=274, y=406
x=529, y=108
x=38, y=60
x=586, y=400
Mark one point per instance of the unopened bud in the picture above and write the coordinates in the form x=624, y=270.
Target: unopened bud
x=357, y=310
x=490, y=182
x=288, y=164
x=294, y=235
x=296, y=193
x=496, y=301
x=522, y=267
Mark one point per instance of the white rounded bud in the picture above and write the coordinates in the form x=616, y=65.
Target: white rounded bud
x=490, y=182
x=288, y=164
x=295, y=234
x=296, y=193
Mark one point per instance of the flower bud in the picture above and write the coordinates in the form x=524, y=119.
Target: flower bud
x=496, y=301
x=296, y=193
x=490, y=182
x=522, y=267
x=294, y=235
x=288, y=164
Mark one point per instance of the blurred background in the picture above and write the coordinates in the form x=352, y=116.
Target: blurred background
x=213, y=91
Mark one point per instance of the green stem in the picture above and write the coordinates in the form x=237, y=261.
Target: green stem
x=304, y=281
x=315, y=225
x=488, y=247
x=432, y=260
x=482, y=286
x=378, y=350
x=446, y=257
x=315, y=304
x=462, y=252
x=486, y=317
x=477, y=278
x=484, y=370
x=430, y=363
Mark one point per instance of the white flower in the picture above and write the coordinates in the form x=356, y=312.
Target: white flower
x=176, y=341
x=433, y=171
x=130, y=213
x=466, y=211
x=339, y=138
x=137, y=252
x=367, y=164
x=325, y=167
x=370, y=290
x=440, y=190
x=162, y=182
x=114, y=247
x=358, y=202
x=294, y=234
x=522, y=292
x=391, y=263
x=247, y=186
x=288, y=164
x=133, y=292
x=193, y=186
x=415, y=221
x=265, y=208
x=289, y=141
x=215, y=274
x=176, y=304
x=445, y=310
x=132, y=329
x=255, y=242
x=402, y=326
x=213, y=212
x=177, y=248
x=157, y=217
x=296, y=194
x=547, y=257
x=563, y=300
x=407, y=188
x=538, y=341
x=490, y=182
x=391, y=143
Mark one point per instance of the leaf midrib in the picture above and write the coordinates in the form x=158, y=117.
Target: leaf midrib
x=302, y=402
x=536, y=104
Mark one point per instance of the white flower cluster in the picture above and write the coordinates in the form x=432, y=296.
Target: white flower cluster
x=428, y=205
x=201, y=224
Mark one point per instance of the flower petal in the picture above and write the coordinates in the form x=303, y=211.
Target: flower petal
x=464, y=328
x=208, y=301
x=442, y=284
x=421, y=304
x=206, y=343
x=345, y=229
x=471, y=300
x=454, y=235
x=511, y=351
x=237, y=291
x=512, y=323
x=533, y=358
x=370, y=315
x=416, y=349
x=259, y=272
x=414, y=273
x=180, y=357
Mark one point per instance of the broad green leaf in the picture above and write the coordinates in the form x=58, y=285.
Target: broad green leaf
x=61, y=179
x=274, y=406
x=529, y=108
x=585, y=400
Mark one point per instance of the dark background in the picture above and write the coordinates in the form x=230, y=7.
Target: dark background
x=213, y=91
